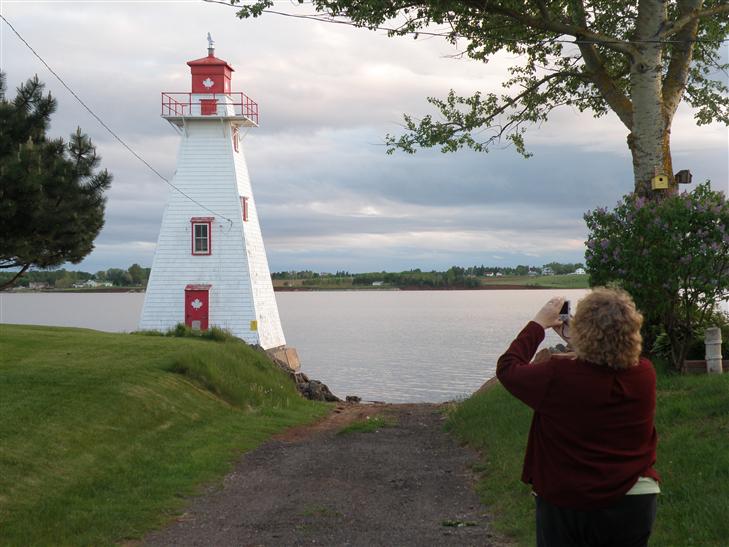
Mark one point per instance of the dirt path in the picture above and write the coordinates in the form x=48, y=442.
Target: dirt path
x=408, y=484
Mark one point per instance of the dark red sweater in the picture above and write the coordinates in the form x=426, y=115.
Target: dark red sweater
x=592, y=432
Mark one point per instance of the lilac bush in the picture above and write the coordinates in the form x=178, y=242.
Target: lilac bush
x=671, y=255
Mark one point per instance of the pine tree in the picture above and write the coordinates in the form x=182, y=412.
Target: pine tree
x=51, y=192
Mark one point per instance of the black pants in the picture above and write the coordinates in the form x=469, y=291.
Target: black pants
x=628, y=523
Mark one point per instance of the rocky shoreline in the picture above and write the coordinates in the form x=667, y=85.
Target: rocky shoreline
x=287, y=359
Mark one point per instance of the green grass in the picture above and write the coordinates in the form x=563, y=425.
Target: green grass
x=692, y=418
x=576, y=281
x=103, y=435
x=367, y=426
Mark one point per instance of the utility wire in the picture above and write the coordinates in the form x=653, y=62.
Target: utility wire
x=98, y=119
x=331, y=19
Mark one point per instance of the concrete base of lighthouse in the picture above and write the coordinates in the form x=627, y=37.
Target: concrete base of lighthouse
x=285, y=356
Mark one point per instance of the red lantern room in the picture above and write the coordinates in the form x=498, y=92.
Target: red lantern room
x=211, y=95
x=210, y=74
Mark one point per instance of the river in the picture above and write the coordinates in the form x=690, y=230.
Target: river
x=392, y=346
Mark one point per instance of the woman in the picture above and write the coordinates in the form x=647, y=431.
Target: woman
x=592, y=443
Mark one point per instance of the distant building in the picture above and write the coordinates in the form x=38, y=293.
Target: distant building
x=547, y=271
x=531, y=273
x=378, y=283
x=579, y=271
x=88, y=284
x=38, y=285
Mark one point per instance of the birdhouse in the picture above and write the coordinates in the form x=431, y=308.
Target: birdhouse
x=683, y=177
x=659, y=182
x=210, y=266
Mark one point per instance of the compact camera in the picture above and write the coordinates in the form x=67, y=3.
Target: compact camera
x=564, y=312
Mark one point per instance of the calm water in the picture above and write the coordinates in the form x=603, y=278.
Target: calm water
x=381, y=345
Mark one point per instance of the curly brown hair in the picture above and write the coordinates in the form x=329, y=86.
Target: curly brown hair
x=606, y=329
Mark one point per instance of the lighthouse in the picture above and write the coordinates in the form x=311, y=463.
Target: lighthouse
x=210, y=267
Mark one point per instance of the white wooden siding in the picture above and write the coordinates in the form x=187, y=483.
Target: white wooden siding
x=212, y=173
x=264, y=300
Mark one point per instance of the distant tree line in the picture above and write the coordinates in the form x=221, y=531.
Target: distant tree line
x=453, y=277
x=134, y=276
x=456, y=276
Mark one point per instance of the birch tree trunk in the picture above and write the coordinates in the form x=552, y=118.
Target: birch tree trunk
x=648, y=134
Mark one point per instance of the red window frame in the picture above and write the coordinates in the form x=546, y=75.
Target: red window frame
x=201, y=221
x=244, y=207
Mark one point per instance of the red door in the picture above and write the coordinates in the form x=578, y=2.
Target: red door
x=197, y=306
x=208, y=107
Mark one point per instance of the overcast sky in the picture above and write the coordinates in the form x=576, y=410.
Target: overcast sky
x=328, y=196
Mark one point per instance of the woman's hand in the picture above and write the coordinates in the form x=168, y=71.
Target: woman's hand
x=548, y=316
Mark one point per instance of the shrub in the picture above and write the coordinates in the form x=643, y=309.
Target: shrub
x=181, y=330
x=218, y=334
x=671, y=255
x=213, y=333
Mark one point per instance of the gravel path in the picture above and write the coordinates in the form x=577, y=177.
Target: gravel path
x=408, y=484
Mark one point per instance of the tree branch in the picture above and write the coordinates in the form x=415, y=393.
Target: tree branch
x=536, y=85
x=560, y=27
x=687, y=18
x=456, y=129
x=674, y=83
x=617, y=100
x=11, y=282
x=595, y=66
x=542, y=7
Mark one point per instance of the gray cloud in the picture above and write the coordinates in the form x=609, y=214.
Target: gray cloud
x=327, y=194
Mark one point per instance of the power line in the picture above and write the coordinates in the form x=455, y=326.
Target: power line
x=101, y=122
x=332, y=20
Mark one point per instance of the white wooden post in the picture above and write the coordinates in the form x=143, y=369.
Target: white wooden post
x=712, y=340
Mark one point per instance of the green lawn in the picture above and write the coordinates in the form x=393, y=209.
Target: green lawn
x=576, y=281
x=102, y=435
x=692, y=418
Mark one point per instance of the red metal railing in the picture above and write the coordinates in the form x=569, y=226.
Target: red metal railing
x=209, y=104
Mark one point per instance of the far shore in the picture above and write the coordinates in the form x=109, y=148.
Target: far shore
x=24, y=290
x=494, y=287
x=479, y=288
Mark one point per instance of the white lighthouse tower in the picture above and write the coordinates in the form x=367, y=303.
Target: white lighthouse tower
x=210, y=266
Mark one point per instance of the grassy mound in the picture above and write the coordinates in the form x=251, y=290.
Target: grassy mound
x=102, y=435
x=692, y=419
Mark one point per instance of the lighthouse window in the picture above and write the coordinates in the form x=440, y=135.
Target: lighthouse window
x=244, y=207
x=201, y=236
x=235, y=139
x=202, y=239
